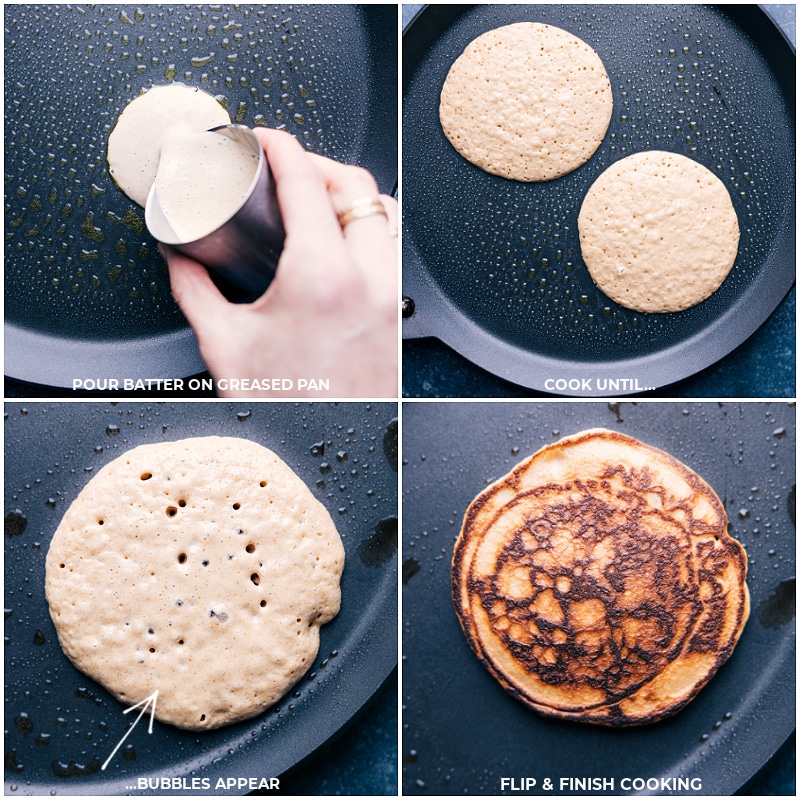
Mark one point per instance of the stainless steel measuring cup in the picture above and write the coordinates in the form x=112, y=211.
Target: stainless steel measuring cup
x=245, y=249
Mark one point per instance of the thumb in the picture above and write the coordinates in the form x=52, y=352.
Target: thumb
x=193, y=289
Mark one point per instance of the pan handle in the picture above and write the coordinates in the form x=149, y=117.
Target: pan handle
x=423, y=304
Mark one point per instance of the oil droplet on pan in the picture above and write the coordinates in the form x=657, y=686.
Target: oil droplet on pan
x=12, y=765
x=379, y=548
x=23, y=724
x=390, y=444
x=780, y=607
x=16, y=522
x=410, y=568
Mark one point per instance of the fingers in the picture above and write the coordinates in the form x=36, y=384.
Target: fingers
x=392, y=216
x=368, y=238
x=193, y=290
x=346, y=185
x=302, y=193
x=313, y=191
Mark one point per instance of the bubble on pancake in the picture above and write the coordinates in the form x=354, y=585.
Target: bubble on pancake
x=527, y=101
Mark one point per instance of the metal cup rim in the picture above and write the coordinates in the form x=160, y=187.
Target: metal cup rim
x=157, y=222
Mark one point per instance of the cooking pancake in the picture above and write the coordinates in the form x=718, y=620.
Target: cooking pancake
x=658, y=232
x=527, y=101
x=203, y=569
x=596, y=581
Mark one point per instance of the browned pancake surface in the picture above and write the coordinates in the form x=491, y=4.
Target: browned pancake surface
x=597, y=581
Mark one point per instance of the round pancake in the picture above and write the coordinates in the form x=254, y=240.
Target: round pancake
x=201, y=568
x=658, y=232
x=527, y=101
x=134, y=145
x=597, y=581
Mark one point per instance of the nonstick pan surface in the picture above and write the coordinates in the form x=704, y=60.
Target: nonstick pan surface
x=87, y=294
x=463, y=732
x=61, y=725
x=494, y=266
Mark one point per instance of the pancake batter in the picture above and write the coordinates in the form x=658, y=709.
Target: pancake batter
x=202, y=179
x=658, y=232
x=527, y=101
x=134, y=146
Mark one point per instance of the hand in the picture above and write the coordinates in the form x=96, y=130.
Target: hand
x=331, y=312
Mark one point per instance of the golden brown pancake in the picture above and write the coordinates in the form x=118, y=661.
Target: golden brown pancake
x=597, y=582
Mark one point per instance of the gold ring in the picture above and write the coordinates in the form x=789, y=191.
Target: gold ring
x=392, y=231
x=363, y=207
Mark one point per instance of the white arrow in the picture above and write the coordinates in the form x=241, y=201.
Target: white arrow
x=144, y=704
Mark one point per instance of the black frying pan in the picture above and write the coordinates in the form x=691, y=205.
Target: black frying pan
x=463, y=732
x=87, y=294
x=494, y=267
x=61, y=725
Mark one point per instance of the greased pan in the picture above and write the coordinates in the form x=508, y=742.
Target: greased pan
x=494, y=266
x=463, y=732
x=87, y=294
x=61, y=725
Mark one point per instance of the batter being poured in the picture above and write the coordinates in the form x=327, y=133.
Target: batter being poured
x=163, y=137
x=202, y=180
x=134, y=146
